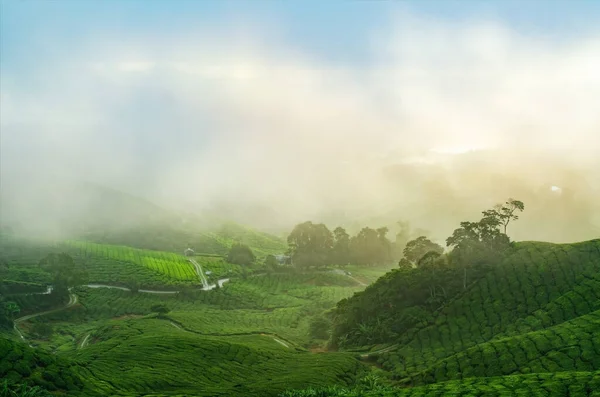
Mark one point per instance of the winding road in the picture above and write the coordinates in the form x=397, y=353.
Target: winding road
x=73, y=300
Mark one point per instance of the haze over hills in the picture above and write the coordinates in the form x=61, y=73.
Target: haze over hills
x=299, y=199
x=239, y=120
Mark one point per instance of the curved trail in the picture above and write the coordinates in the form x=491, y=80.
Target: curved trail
x=275, y=337
x=72, y=301
x=85, y=340
x=343, y=273
x=384, y=350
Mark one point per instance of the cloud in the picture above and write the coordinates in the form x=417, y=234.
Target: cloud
x=443, y=120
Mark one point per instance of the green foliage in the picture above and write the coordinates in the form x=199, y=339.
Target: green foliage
x=315, y=245
x=310, y=245
x=22, y=365
x=198, y=365
x=42, y=330
x=370, y=247
x=160, y=309
x=240, y=254
x=109, y=263
x=23, y=390
x=320, y=327
x=416, y=249
x=271, y=263
x=341, y=254
x=543, y=384
x=8, y=287
x=65, y=273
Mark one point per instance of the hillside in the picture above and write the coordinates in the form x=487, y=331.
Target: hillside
x=524, y=322
x=532, y=322
x=83, y=211
x=21, y=364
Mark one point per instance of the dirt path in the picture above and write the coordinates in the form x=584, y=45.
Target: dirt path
x=384, y=350
x=281, y=342
x=343, y=273
x=84, y=342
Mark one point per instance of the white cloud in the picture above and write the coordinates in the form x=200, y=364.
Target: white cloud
x=250, y=119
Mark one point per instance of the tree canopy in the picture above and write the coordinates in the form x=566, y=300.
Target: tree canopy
x=241, y=254
x=65, y=273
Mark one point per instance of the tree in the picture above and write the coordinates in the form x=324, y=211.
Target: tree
x=506, y=212
x=133, y=285
x=271, y=262
x=405, y=264
x=8, y=312
x=319, y=328
x=240, y=254
x=43, y=330
x=419, y=247
x=341, y=247
x=160, y=309
x=385, y=251
x=483, y=243
x=310, y=245
x=370, y=246
x=65, y=274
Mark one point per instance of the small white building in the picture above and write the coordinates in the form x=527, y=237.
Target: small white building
x=188, y=252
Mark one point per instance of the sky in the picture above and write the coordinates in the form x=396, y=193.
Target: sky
x=275, y=112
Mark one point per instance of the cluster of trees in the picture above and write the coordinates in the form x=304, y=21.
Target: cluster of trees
x=8, y=312
x=65, y=273
x=425, y=280
x=241, y=254
x=312, y=244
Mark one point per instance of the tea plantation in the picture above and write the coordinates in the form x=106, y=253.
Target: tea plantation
x=529, y=325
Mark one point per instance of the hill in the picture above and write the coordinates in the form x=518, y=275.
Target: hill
x=532, y=321
x=22, y=365
x=83, y=211
x=179, y=362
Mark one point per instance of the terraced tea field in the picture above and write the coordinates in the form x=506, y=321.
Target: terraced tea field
x=183, y=363
x=172, y=267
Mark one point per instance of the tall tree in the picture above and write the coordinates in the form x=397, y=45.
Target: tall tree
x=506, y=212
x=483, y=243
x=385, y=250
x=417, y=248
x=240, y=254
x=341, y=247
x=8, y=312
x=366, y=247
x=65, y=273
x=310, y=245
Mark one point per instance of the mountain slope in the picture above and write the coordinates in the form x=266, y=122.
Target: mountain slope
x=536, y=312
x=84, y=211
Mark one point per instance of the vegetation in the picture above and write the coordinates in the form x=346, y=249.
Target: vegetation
x=315, y=245
x=21, y=365
x=240, y=254
x=487, y=317
x=162, y=266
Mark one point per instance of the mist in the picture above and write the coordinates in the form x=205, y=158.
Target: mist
x=441, y=122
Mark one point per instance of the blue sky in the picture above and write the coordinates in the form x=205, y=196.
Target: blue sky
x=333, y=29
